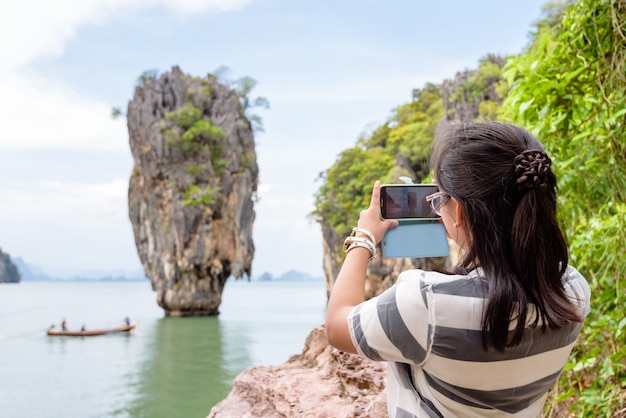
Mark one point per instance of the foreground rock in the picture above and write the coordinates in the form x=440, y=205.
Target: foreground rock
x=322, y=382
x=190, y=195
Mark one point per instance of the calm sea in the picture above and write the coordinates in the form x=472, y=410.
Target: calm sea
x=169, y=367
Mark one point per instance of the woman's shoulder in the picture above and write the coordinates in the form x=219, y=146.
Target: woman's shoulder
x=577, y=289
x=572, y=274
x=431, y=276
x=472, y=283
x=427, y=276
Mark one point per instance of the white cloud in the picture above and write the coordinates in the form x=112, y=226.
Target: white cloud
x=64, y=228
x=99, y=206
x=39, y=113
x=394, y=89
x=195, y=6
x=30, y=29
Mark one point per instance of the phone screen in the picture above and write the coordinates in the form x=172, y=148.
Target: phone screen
x=406, y=201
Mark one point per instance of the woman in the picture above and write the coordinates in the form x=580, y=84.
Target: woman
x=492, y=338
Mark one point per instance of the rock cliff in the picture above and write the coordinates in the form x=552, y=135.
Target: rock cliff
x=321, y=382
x=465, y=95
x=191, y=191
x=469, y=95
x=8, y=270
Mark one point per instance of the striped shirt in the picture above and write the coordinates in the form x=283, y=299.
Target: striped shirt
x=428, y=327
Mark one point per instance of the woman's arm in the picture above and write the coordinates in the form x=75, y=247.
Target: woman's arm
x=349, y=288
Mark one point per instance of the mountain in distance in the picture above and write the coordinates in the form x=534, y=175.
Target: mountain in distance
x=32, y=273
x=289, y=276
x=28, y=272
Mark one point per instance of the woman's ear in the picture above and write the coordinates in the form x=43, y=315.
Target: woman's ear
x=459, y=213
x=459, y=234
x=455, y=211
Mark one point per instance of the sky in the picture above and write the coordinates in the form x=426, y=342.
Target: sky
x=331, y=71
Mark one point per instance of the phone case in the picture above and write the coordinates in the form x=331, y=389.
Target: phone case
x=415, y=239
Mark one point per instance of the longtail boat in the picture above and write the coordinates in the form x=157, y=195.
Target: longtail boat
x=92, y=332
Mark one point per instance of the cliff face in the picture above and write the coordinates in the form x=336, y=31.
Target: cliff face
x=8, y=270
x=469, y=95
x=190, y=195
x=462, y=96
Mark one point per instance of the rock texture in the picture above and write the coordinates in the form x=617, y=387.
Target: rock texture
x=462, y=102
x=191, y=192
x=321, y=382
x=8, y=270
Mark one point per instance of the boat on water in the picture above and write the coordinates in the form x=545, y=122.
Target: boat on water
x=92, y=332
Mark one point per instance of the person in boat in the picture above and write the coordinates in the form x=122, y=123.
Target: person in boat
x=63, y=325
x=83, y=328
x=127, y=320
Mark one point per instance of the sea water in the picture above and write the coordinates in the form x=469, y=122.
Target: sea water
x=168, y=367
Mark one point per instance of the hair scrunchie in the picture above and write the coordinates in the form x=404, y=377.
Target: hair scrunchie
x=531, y=169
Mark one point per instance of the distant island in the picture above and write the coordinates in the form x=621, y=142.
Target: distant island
x=30, y=273
x=289, y=276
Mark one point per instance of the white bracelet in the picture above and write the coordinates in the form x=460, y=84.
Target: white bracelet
x=353, y=242
x=362, y=245
x=364, y=231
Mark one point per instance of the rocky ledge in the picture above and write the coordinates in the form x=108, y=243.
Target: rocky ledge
x=321, y=382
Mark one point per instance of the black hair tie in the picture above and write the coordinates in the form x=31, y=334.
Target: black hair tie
x=531, y=170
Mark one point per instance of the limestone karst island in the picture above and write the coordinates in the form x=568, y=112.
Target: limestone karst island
x=190, y=196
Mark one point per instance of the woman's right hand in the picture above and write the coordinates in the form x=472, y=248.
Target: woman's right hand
x=370, y=219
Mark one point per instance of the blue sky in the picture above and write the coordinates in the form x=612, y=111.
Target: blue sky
x=331, y=71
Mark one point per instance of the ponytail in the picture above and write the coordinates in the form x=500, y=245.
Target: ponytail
x=502, y=178
x=538, y=245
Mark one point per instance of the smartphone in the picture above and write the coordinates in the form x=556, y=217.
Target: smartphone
x=406, y=201
x=415, y=239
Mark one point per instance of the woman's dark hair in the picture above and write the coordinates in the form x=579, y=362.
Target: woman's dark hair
x=502, y=179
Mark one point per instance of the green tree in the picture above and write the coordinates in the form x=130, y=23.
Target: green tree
x=348, y=185
x=243, y=88
x=197, y=131
x=406, y=135
x=569, y=88
x=147, y=76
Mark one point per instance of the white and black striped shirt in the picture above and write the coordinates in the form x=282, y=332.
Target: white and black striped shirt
x=428, y=326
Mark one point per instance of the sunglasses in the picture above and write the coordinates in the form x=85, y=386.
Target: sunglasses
x=436, y=200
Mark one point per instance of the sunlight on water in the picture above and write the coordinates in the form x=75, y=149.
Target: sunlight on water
x=169, y=367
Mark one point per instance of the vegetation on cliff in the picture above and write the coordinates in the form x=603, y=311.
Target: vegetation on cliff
x=399, y=147
x=568, y=87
